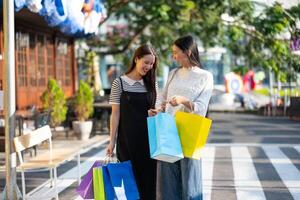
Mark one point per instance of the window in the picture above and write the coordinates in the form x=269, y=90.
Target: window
x=41, y=72
x=22, y=44
x=63, y=62
x=50, y=56
x=32, y=60
x=39, y=57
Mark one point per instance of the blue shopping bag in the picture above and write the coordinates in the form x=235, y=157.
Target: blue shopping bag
x=109, y=190
x=123, y=180
x=164, y=141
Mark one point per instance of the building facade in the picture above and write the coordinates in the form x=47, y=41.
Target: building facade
x=41, y=53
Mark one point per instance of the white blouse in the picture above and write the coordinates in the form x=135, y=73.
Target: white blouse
x=194, y=83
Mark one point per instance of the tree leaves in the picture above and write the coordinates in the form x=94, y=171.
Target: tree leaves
x=160, y=22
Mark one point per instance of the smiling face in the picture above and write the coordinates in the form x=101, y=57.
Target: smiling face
x=179, y=56
x=144, y=64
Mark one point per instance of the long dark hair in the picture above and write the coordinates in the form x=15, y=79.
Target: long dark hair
x=187, y=43
x=150, y=78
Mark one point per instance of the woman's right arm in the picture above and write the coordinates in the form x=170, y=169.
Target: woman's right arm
x=114, y=100
x=114, y=124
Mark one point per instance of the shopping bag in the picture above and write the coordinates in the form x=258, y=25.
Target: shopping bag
x=193, y=132
x=164, y=141
x=109, y=190
x=98, y=184
x=123, y=180
x=85, y=189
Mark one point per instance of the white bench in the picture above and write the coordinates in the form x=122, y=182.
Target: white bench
x=50, y=159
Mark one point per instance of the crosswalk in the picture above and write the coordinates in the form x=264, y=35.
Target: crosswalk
x=251, y=172
x=229, y=172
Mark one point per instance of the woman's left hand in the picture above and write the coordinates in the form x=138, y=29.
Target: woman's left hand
x=176, y=100
x=152, y=112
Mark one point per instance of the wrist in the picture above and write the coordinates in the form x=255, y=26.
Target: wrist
x=112, y=141
x=185, y=101
x=189, y=104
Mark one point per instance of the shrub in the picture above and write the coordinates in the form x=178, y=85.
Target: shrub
x=53, y=99
x=84, y=101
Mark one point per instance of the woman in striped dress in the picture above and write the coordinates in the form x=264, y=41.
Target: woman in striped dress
x=133, y=98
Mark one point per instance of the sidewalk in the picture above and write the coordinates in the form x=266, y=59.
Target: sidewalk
x=38, y=184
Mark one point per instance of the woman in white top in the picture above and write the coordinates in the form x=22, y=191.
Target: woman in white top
x=133, y=98
x=188, y=89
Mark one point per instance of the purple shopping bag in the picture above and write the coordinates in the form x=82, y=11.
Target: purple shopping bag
x=85, y=189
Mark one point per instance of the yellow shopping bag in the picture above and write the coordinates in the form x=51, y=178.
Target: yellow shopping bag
x=99, y=191
x=193, y=132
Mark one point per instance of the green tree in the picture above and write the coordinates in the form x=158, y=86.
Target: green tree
x=248, y=35
x=259, y=39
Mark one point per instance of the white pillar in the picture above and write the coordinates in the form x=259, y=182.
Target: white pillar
x=9, y=95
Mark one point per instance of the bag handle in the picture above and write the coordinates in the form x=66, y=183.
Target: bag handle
x=110, y=159
x=168, y=83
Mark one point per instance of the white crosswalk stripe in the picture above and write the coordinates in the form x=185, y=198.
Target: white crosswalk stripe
x=246, y=180
x=207, y=171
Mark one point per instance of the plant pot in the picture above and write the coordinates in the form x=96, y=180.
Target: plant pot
x=82, y=129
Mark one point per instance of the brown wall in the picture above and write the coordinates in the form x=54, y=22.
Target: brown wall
x=41, y=53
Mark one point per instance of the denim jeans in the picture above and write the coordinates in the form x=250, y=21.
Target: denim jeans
x=181, y=180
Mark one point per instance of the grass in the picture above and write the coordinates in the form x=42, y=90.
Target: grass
x=265, y=91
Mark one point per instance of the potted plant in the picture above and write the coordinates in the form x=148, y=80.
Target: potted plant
x=84, y=108
x=53, y=100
